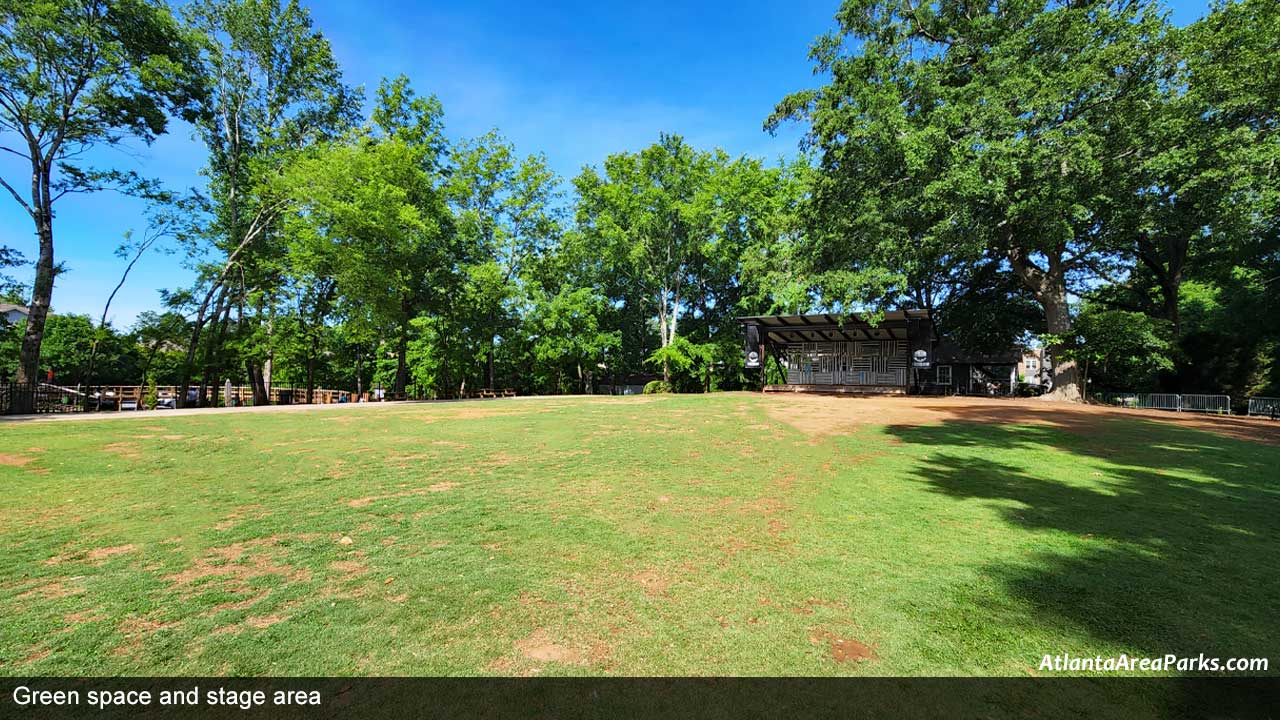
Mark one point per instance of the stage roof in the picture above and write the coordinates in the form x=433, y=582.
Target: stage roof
x=828, y=327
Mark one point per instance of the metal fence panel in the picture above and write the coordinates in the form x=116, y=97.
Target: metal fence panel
x=1191, y=402
x=1220, y=404
x=1159, y=401
x=1267, y=406
x=1112, y=398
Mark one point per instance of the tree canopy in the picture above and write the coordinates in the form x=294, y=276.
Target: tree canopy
x=1078, y=174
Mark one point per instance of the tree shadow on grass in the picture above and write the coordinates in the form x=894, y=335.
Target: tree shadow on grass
x=1173, y=543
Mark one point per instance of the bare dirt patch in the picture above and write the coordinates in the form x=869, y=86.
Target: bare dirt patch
x=498, y=460
x=529, y=599
x=81, y=617
x=100, y=554
x=540, y=646
x=15, y=460
x=236, y=564
x=349, y=568
x=370, y=499
x=819, y=415
x=97, y=556
x=136, y=631
x=842, y=649
x=653, y=582
x=52, y=590
x=468, y=411
x=125, y=449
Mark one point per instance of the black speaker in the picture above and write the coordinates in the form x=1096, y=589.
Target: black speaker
x=920, y=340
x=752, y=348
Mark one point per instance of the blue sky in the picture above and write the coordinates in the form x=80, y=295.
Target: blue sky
x=574, y=80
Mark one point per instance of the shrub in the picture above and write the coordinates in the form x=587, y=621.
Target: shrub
x=657, y=386
x=150, y=396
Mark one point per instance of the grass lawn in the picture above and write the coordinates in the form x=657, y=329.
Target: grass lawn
x=672, y=535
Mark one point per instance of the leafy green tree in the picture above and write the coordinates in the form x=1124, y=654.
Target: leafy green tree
x=692, y=363
x=773, y=267
x=74, y=75
x=1121, y=348
x=651, y=214
x=1000, y=122
x=567, y=334
x=160, y=340
x=272, y=88
x=989, y=310
x=69, y=348
x=372, y=214
x=508, y=212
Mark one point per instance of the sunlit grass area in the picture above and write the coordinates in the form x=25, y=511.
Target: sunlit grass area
x=654, y=535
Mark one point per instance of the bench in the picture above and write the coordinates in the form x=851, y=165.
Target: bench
x=508, y=392
x=488, y=393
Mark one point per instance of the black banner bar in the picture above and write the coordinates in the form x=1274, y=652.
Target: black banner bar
x=572, y=698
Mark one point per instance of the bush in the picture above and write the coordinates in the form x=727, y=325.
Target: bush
x=657, y=386
x=150, y=396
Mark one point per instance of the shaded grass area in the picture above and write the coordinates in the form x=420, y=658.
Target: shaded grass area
x=672, y=535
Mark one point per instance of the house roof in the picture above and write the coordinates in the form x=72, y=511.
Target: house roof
x=6, y=308
x=948, y=352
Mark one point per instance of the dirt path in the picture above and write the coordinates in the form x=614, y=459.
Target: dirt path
x=157, y=414
x=468, y=405
x=824, y=415
x=813, y=414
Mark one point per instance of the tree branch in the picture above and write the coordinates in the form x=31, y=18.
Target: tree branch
x=17, y=197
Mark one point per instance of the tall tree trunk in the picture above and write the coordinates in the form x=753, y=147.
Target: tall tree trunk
x=260, y=394
x=1167, y=260
x=269, y=364
x=41, y=292
x=402, y=358
x=662, y=335
x=213, y=357
x=312, y=351
x=255, y=378
x=359, y=378
x=492, y=341
x=188, y=366
x=197, y=327
x=1171, y=289
x=1049, y=286
x=1066, y=375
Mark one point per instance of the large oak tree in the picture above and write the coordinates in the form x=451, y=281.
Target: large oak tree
x=954, y=130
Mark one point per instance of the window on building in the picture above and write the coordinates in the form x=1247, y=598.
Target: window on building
x=944, y=374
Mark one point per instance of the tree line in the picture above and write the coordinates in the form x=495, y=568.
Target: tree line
x=1080, y=173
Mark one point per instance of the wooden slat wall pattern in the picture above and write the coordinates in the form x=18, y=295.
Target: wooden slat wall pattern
x=874, y=362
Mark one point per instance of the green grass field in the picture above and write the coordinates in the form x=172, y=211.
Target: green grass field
x=680, y=535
